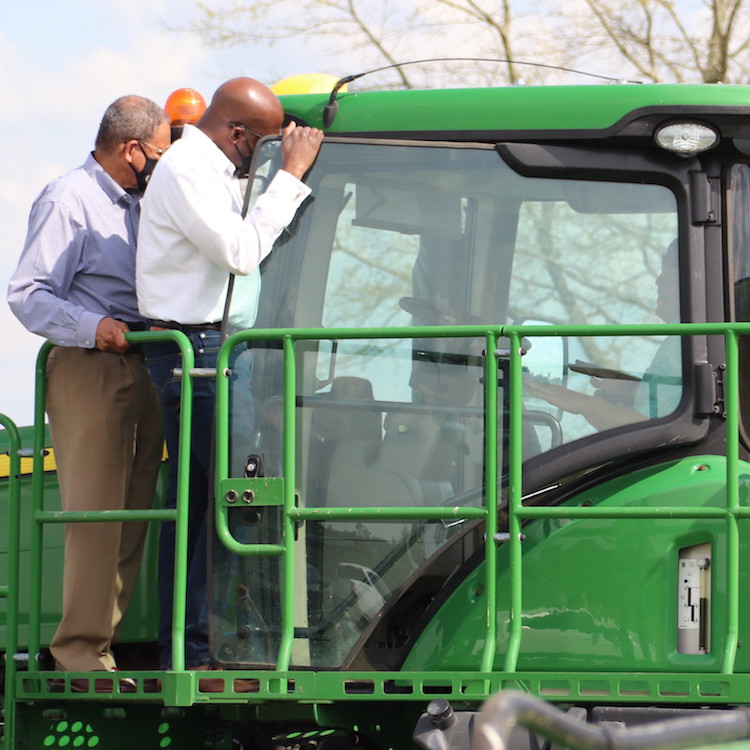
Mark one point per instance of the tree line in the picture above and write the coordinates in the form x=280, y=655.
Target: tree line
x=649, y=41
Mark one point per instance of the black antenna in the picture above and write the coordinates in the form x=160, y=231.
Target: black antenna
x=331, y=109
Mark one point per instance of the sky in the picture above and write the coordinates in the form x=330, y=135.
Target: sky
x=62, y=62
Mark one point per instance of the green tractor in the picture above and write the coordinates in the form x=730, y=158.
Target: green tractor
x=482, y=441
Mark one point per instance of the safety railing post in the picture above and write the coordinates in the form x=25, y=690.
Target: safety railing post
x=37, y=503
x=491, y=415
x=515, y=494
x=11, y=590
x=179, y=586
x=731, y=395
x=289, y=462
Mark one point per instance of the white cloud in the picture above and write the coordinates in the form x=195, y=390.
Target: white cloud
x=56, y=79
x=55, y=90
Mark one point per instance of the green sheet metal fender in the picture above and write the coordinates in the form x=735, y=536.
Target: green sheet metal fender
x=601, y=594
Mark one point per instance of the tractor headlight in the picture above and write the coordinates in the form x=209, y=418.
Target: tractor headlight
x=686, y=138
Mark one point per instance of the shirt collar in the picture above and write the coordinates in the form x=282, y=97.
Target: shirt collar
x=216, y=157
x=110, y=187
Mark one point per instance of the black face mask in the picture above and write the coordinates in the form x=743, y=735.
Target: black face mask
x=144, y=175
x=244, y=169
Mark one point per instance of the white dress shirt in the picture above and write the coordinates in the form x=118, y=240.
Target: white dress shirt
x=192, y=234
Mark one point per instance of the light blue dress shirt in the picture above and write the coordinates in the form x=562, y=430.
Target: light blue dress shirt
x=78, y=262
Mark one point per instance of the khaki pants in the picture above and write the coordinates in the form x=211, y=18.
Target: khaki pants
x=106, y=426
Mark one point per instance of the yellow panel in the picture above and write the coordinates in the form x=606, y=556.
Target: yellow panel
x=26, y=464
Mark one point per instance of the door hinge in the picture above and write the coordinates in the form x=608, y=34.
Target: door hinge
x=703, y=206
x=709, y=390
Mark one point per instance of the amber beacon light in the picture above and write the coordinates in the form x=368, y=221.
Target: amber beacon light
x=184, y=106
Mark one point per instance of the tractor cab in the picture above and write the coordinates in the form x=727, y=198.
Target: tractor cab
x=377, y=404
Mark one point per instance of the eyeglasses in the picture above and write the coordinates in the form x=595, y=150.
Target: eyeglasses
x=249, y=130
x=158, y=152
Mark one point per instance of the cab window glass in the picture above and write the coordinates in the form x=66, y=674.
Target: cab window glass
x=424, y=236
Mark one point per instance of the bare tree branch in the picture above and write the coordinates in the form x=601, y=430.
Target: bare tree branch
x=653, y=40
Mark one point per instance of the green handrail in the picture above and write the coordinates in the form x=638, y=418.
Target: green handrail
x=287, y=534
x=518, y=512
x=732, y=512
x=732, y=396
x=491, y=495
x=515, y=495
x=10, y=591
x=37, y=501
x=40, y=516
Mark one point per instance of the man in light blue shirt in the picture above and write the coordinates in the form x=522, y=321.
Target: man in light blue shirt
x=74, y=286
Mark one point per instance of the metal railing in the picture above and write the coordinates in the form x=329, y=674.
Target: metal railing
x=9, y=591
x=179, y=515
x=292, y=515
x=517, y=511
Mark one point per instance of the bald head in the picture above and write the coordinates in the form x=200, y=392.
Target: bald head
x=244, y=102
x=247, y=101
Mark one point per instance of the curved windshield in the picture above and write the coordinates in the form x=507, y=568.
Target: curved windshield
x=427, y=235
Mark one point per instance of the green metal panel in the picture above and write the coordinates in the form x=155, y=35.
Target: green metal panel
x=601, y=593
x=139, y=625
x=106, y=727
x=533, y=108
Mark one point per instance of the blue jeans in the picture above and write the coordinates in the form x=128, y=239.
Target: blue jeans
x=161, y=360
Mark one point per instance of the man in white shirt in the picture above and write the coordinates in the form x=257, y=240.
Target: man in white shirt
x=192, y=237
